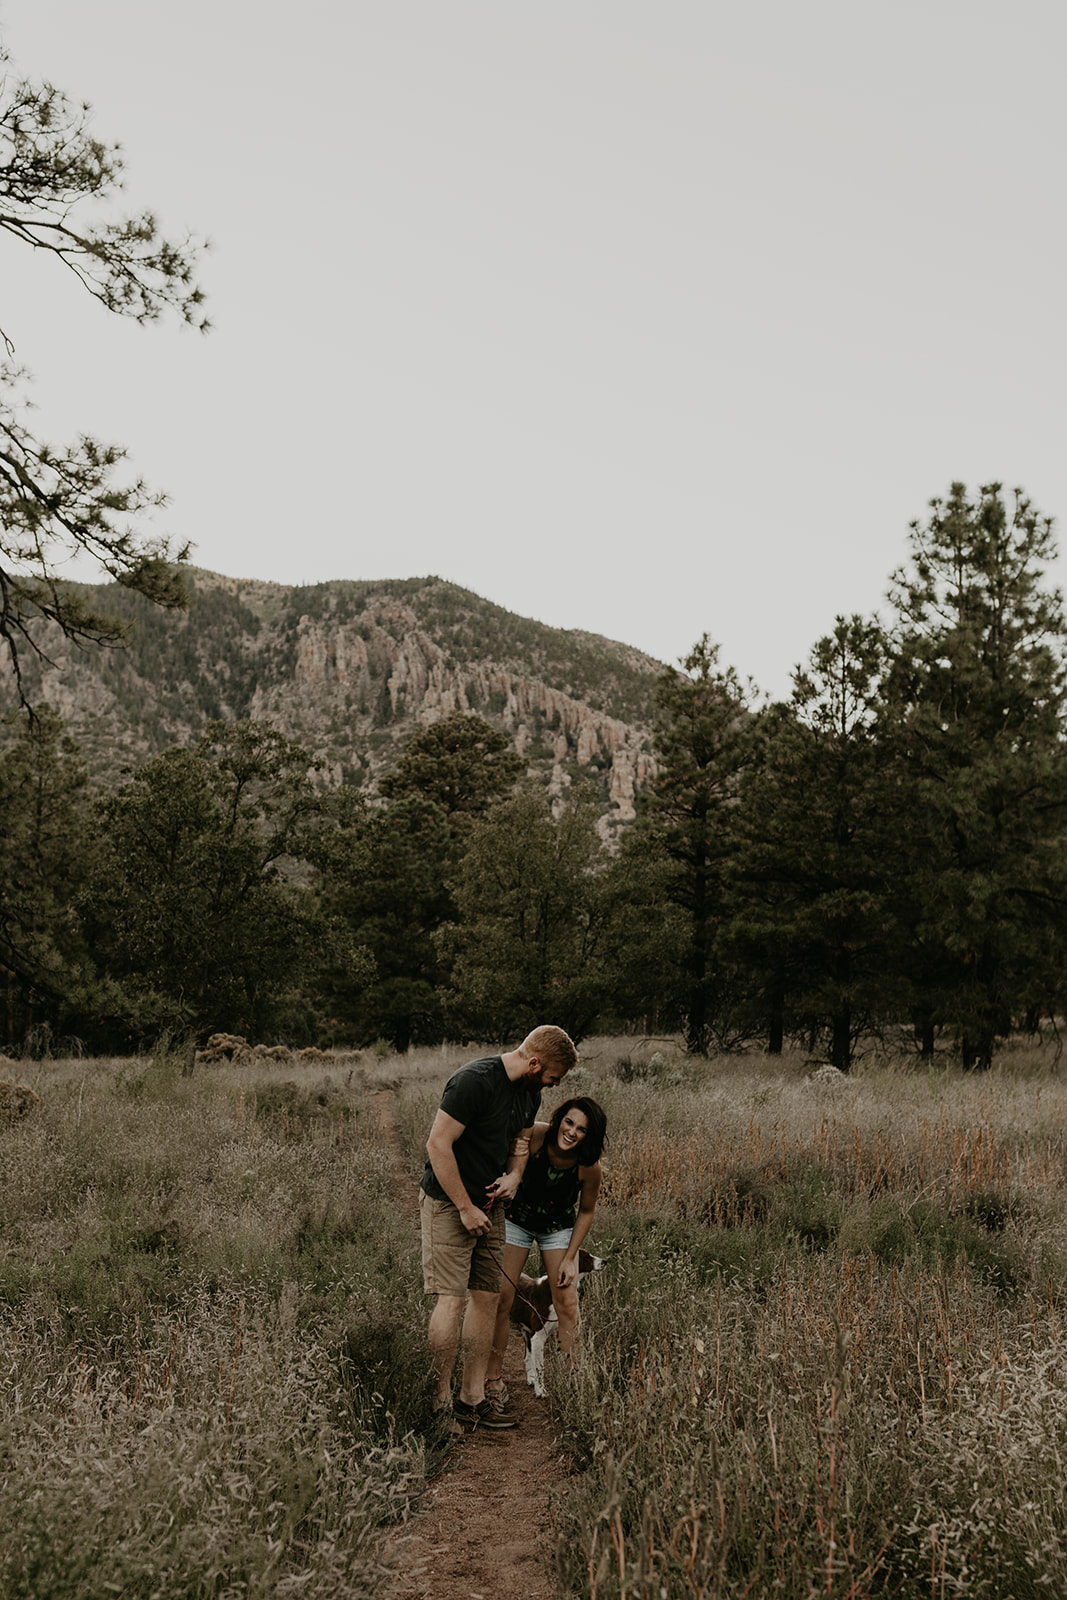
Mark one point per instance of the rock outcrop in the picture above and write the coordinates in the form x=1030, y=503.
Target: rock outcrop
x=350, y=670
x=344, y=669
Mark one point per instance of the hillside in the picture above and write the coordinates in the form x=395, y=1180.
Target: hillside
x=350, y=669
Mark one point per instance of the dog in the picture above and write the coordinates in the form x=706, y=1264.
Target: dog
x=534, y=1314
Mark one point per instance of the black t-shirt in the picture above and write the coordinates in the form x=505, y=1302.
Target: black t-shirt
x=492, y=1110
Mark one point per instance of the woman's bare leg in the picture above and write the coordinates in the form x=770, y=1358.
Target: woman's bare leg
x=564, y=1300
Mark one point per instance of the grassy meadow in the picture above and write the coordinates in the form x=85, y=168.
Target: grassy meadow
x=211, y=1335
x=826, y=1357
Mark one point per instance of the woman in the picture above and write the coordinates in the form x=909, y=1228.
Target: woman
x=554, y=1205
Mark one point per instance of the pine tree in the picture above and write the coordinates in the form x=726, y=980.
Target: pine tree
x=816, y=868
x=202, y=908
x=394, y=902
x=461, y=763
x=529, y=940
x=449, y=775
x=645, y=938
x=704, y=745
x=975, y=706
x=57, y=502
x=45, y=860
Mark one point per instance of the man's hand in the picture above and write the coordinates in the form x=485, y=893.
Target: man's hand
x=473, y=1220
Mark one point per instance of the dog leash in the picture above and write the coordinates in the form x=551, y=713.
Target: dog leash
x=518, y=1292
x=493, y=1256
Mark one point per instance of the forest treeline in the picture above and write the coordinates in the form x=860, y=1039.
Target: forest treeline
x=886, y=852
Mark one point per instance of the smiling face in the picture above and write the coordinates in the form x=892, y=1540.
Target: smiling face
x=576, y=1132
x=572, y=1130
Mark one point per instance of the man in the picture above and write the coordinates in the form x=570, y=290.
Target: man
x=487, y=1106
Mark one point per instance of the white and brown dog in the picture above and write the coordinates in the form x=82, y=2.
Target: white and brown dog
x=533, y=1312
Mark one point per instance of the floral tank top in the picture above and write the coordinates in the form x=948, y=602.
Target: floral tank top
x=547, y=1199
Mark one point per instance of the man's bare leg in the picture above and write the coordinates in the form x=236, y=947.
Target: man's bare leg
x=514, y=1260
x=478, y=1323
x=444, y=1342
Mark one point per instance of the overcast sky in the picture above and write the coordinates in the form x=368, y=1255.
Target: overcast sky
x=650, y=317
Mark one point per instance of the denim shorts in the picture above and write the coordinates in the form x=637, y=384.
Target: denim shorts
x=546, y=1241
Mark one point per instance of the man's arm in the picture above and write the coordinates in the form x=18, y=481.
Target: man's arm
x=443, y=1135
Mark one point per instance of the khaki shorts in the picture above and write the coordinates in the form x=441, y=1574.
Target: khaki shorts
x=453, y=1260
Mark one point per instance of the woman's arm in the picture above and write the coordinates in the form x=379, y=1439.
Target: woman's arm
x=568, y=1267
x=523, y=1147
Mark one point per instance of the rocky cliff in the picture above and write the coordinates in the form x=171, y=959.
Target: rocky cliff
x=349, y=670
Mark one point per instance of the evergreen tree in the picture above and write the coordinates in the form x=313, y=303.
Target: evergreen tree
x=975, y=706
x=645, y=932
x=817, y=866
x=461, y=763
x=704, y=744
x=449, y=775
x=202, y=907
x=57, y=502
x=394, y=903
x=44, y=863
x=529, y=942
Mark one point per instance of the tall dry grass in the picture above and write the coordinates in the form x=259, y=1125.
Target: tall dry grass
x=827, y=1356
x=213, y=1374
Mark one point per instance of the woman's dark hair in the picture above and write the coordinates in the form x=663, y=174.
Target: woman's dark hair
x=592, y=1146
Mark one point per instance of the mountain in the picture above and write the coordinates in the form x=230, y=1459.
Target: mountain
x=350, y=669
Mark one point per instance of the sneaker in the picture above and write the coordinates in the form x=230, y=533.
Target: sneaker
x=496, y=1390
x=500, y=1401
x=502, y=1409
x=486, y=1414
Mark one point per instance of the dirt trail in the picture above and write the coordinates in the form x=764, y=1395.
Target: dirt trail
x=486, y=1529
